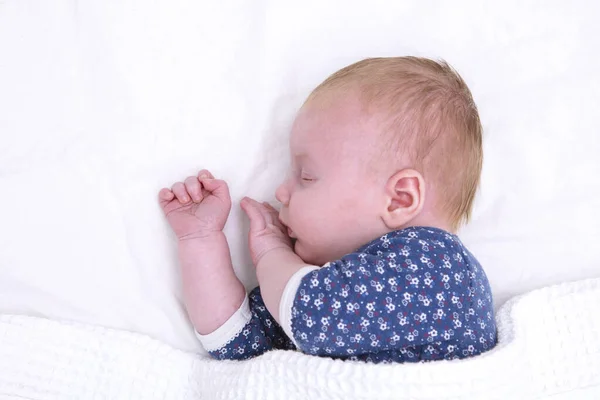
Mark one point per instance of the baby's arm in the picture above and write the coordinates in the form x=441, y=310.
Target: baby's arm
x=197, y=211
x=230, y=324
x=250, y=332
x=212, y=293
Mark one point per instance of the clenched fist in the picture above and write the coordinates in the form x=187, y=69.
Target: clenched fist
x=197, y=207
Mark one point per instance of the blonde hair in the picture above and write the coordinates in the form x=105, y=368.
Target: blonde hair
x=431, y=118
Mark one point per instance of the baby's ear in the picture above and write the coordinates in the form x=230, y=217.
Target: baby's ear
x=405, y=196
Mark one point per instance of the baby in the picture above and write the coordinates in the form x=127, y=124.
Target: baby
x=362, y=261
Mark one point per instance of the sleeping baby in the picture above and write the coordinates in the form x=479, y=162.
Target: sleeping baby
x=362, y=261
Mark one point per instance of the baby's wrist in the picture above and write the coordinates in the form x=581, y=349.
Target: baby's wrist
x=268, y=253
x=209, y=244
x=201, y=235
x=274, y=255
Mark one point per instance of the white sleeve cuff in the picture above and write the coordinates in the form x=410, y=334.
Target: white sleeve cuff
x=287, y=300
x=229, y=330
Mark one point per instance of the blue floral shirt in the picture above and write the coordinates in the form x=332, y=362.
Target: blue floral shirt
x=412, y=295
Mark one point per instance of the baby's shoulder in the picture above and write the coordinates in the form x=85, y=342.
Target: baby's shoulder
x=424, y=249
x=421, y=240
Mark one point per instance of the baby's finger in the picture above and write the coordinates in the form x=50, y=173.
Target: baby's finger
x=266, y=212
x=204, y=174
x=217, y=187
x=180, y=192
x=194, y=188
x=271, y=210
x=257, y=222
x=165, y=196
x=274, y=215
x=262, y=210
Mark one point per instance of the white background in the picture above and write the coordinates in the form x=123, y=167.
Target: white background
x=102, y=103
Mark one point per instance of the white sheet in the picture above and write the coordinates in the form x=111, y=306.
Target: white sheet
x=548, y=349
x=104, y=102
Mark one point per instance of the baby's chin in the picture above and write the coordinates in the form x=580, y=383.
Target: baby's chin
x=308, y=255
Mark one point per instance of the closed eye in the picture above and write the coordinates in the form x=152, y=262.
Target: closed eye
x=304, y=176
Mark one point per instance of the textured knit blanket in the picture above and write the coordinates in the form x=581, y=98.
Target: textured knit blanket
x=549, y=347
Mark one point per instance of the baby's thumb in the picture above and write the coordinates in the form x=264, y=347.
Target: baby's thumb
x=257, y=222
x=217, y=187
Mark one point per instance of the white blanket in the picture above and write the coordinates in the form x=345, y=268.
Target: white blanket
x=548, y=348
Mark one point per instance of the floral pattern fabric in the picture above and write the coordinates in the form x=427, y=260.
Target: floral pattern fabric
x=412, y=295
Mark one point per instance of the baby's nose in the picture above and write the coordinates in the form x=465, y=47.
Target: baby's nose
x=282, y=195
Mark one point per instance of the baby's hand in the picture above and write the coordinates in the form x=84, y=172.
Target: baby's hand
x=266, y=231
x=197, y=207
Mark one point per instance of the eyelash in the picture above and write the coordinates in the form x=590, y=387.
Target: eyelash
x=304, y=178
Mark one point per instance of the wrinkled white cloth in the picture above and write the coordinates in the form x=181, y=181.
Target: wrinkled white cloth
x=548, y=348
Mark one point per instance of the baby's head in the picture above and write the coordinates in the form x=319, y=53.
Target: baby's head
x=381, y=145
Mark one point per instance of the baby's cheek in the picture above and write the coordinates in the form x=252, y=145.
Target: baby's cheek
x=350, y=207
x=347, y=204
x=317, y=239
x=320, y=224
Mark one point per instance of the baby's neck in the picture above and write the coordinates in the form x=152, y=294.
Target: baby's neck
x=427, y=219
